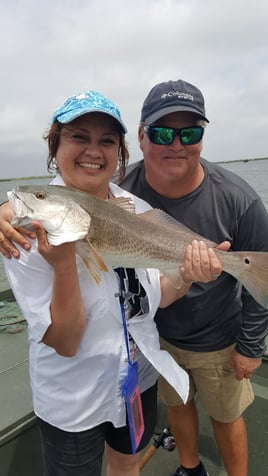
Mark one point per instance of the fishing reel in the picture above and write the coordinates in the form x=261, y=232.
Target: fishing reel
x=169, y=443
x=166, y=440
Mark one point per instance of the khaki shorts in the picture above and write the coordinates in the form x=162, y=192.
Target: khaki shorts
x=222, y=396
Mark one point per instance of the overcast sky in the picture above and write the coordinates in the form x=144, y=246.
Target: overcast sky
x=56, y=48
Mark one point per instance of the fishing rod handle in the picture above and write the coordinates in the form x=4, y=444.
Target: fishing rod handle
x=149, y=453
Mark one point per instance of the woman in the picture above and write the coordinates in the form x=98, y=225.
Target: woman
x=78, y=351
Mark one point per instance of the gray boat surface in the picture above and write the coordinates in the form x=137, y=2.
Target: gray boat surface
x=19, y=436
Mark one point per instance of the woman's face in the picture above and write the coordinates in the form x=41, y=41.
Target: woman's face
x=88, y=150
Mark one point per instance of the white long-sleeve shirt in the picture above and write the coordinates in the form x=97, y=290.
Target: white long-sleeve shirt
x=80, y=392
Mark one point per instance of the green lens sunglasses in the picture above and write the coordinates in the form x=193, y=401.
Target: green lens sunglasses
x=166, y=135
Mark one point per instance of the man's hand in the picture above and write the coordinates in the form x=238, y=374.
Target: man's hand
x=201, y=263
x=243, y=366
x=10, y=235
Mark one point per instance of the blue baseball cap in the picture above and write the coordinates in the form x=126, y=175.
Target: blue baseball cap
x=172, y=96
x=83, y=103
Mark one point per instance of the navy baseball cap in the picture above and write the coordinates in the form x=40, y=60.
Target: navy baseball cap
x=83, y=103
x=172, y=96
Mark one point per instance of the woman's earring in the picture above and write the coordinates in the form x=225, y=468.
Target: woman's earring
x=54, y=164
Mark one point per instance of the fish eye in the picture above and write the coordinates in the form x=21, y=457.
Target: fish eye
x=40, y=195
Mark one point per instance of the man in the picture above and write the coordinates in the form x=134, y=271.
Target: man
x=217, y=331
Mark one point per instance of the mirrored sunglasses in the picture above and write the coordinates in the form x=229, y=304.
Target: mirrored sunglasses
x=166, y=135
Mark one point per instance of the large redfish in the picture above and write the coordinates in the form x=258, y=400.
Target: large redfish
x=109, y=233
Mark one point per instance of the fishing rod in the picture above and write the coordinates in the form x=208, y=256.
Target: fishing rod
x=164, y=439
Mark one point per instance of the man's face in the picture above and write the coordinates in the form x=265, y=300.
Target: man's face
x=175, y=162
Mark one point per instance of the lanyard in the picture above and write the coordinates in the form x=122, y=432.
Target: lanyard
x=131, y=388
x=122, y=300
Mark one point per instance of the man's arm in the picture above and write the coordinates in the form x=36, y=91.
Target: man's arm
x=250, y=345
x=10, y=235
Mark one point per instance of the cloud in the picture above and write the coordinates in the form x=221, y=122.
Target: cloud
x=50, y=50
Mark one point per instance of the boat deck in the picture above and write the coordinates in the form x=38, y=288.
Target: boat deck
x=19, y=438
x=163, y=463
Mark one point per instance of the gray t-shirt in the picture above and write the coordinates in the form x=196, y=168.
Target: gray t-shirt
x=214, y=315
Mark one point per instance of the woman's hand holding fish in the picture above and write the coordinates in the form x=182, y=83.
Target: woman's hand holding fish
x=57, y=256
x=66, y=307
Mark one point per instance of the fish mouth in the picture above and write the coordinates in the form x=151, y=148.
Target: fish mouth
x=24, y=203
x=21, y=208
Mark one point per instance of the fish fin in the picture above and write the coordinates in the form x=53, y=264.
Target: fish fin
x=254, y=273
x=92, y=260
x=93, y=270
x=161, y=218
x=97, y=257
x=123, y=202
x=174, y=277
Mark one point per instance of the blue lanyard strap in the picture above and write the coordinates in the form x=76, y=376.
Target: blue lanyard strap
x=122, y=300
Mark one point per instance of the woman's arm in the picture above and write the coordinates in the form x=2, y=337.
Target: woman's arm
x=66, y=307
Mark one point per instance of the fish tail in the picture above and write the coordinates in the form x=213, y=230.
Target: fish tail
x=254, y=274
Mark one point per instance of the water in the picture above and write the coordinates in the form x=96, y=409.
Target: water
x=254, y=172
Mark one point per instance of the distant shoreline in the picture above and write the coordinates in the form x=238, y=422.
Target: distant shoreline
x=26, y=178
x=49, y=176
x=240, y=160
